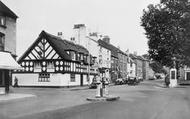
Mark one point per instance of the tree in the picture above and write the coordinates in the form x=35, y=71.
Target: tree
x=167, y=27
x=157, y=68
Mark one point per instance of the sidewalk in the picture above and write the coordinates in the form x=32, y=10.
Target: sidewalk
x=13, y=96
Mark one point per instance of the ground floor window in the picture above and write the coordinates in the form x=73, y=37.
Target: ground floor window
x=44, y=77
x=72, y=77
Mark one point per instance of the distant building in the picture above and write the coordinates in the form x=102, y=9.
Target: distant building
x=98, y=49
x=7, y=46
x=54, y=62
x=131, y=67
x=143, y=69
x=104, y=57
x=123, y=57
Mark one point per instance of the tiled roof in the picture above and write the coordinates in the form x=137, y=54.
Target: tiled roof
x=6, y=11
x=112, y=48
x=59, y=45
x=138, y=57
x=65, y=45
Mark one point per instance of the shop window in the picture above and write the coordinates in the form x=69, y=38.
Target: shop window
x=72, y=77
x=44, y=77
x=2, y=41
x=2, y=21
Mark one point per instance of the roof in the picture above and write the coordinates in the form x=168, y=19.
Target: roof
x=60, y=46
x=65, y=45
x=6, y=11
x=138, y=57
x=112, y=48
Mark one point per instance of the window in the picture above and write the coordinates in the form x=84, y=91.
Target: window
x=108, y=52
x=72, y=77
x=2, y=41
x=44, y=77
x=81, y=57
x=73, y=56
x=131, y=64
x=100, y=49
x=2, y=21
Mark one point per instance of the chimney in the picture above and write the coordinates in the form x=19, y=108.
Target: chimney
x=60, y=34
x=78, y=26
x=106, y=39
x=127, y=51
x=79, y=33
x=135, y=53
x=73, y=40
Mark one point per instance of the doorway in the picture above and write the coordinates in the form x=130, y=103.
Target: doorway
x=81, y=80
x=188, y=76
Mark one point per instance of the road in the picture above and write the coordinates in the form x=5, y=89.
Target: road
x=145, y=101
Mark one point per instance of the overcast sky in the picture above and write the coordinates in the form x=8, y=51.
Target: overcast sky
x=119, y=19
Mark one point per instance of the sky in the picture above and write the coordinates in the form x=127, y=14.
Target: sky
x=119, y=19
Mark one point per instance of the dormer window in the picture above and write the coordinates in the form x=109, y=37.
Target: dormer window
x=2, y=41
x=81, y=57
x=2, y=21
x=73, y=56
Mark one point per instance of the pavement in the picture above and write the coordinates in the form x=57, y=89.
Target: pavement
x=14, y=96
x=148, y=100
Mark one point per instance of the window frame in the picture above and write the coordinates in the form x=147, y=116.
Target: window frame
x=3, y=18
x=44, y=77
x=72, y=77
x=2, y=41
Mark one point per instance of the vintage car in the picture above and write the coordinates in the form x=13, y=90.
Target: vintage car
x=119, y=81
x=133, y=81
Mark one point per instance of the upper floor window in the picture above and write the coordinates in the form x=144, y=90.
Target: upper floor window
x=131, y=63
x=2, y=21
x=100, y=50
x=2, y=41
x=73, y=55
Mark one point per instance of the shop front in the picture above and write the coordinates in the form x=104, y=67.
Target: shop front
x=7, y=64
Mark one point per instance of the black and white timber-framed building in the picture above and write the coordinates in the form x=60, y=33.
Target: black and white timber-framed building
x=54, y=62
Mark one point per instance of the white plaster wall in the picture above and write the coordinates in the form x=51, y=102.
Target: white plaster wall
x=55, y=80
x=32, y=80
x=106, y=58
x=85, y=82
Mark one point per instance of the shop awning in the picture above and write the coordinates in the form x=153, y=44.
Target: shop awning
x=7, y=62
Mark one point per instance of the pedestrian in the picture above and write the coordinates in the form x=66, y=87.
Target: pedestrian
x=16, y=82
x=167, y=81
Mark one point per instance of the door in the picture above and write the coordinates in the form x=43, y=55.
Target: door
x=1, y=78
x=81, y=80
x=188, y=76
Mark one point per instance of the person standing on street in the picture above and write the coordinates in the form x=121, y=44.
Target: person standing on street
x=167, y=81
x=16, y=82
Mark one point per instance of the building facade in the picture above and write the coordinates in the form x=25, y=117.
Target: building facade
x=123, y=57
x=104, y=58
x=7, y=46
x=131, y=68
x=54, y=62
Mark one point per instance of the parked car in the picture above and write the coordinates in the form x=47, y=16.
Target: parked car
x=93, y=85
x=125, y=80
x=119, y=81
x=133, y=81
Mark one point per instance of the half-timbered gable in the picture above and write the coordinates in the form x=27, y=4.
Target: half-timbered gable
x=50, y=55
